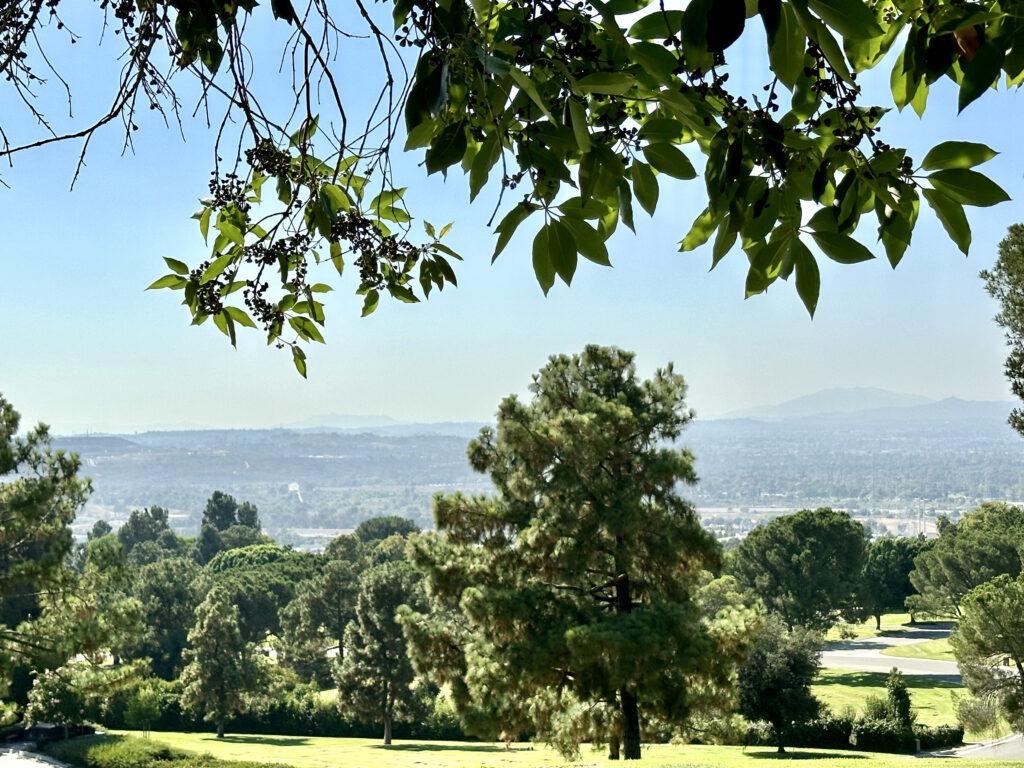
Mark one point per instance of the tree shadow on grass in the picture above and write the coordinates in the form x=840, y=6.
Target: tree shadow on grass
x=765, y=754
x=856, y=679
x=447, y=747
x=272, y=741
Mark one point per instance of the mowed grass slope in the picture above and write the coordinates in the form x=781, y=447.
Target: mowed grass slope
x=939, y=649
x=841, y=689
x=317, y=752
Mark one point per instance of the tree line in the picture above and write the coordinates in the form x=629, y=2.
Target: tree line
x=582, y=601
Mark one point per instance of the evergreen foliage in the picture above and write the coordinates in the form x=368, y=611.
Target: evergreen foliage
x=804, y=566
x=774, y=684
x=575, y=584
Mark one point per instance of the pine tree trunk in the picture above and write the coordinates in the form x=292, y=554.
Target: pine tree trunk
x=613, y=748
x=631, y=724
x=878, y=622
x=387, y=728
x=627, y=699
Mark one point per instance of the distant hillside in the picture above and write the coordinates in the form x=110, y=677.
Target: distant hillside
x=844, y=400
x=913, y=461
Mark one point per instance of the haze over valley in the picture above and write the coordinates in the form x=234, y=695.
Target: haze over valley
x=894, y=461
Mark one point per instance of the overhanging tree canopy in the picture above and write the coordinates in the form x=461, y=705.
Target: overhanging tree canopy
x=581, y=109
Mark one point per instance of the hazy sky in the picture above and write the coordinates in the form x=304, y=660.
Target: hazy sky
x=82, y=346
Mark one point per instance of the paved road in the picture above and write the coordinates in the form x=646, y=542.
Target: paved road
x=864, y=655
x=1009, y=748
x=12, y=757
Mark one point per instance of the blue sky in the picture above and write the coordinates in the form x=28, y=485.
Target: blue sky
x=83, y=346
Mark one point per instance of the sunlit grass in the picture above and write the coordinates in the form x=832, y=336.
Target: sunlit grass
x=842, y=689
x=891, y=622
x=938, y=649
x=320, y=752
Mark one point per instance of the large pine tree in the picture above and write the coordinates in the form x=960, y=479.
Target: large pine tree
x=576, y=579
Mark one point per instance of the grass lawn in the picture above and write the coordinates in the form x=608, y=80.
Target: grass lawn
x=317, y=752
x=843, y=688
x=890, y=622
x=928, y=649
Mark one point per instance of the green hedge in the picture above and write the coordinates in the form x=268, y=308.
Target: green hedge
x=131, y=752
x=838, y=732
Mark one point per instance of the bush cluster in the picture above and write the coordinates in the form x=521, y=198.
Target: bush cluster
x=844, y=732
x=298, y=713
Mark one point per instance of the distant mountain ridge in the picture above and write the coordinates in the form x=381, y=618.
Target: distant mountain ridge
x=831, y=401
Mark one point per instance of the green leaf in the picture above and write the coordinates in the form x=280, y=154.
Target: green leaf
x=659, y=25
x=724, y=241
x=609, y=83
x=306, y=131
x=968, y=187
x=626, y=204
x=204, y=222
x=216, y=268
x=486, y=157
x=168, y=281
x=299, y=358
x=808, y=278
x=370, y=302
x=226, y=326
x=562, y=250
x=956, y=154
x=842, y=248
x=588, y=241
x=508, y=225
x=529, y=87
x=786, y=47
x=178, y=267
x=447, y=149
x=670, y=160
x=850, y=18
x=645, y=185
x=543, y=267
x=980, y=73
x=403, y=294
x=284, y=192
x=230, y=231
x=952, y=216
x=578, y=116
x=700, y=231
x=240, y=316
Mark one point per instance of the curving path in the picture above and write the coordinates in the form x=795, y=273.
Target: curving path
x=865, y=655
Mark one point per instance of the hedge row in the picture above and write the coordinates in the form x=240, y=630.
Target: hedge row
x=838, y=732
x=302, y=714
x=130, y=752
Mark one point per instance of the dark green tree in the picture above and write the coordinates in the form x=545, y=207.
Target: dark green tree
x=142, y=525
x=248, y=515
x=348, y=547
x=221, y=511
x=804, y=566
x=982, y=545
x=774, y=684
x=208, y=545
x=374, y=674
x=40, y=491
x=168, y=593
x=885, y=579
x=379, y=528
x=578, y=576
x=315, y=621
x=989, y=644
x=99, y=529
x=1005, y=283
x=220, y=666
